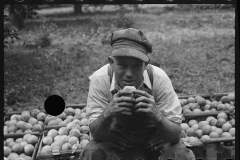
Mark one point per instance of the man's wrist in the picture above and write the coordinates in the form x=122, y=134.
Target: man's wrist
x=158, y=117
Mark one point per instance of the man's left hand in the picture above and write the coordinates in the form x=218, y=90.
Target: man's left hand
x=146, y=103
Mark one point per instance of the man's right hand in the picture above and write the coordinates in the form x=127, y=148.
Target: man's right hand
x=122, y=102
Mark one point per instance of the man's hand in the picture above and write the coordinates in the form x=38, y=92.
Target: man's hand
x=146, y=103
x=122, y=102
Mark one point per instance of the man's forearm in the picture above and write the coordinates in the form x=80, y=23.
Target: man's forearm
x=100, y=127
x=170, y=131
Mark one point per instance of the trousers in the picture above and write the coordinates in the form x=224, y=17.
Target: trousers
x=130, y=144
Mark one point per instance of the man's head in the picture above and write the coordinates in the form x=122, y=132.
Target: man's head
x=129, y=59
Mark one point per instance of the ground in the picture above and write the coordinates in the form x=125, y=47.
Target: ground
x=195, y=48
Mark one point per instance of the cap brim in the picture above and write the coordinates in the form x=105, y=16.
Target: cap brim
x=129, y=52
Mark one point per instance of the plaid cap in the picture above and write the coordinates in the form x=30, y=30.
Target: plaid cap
x=131, y=42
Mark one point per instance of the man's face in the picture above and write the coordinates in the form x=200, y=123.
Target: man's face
x=128, y=71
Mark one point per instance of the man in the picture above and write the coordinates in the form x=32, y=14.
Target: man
x=147, y=118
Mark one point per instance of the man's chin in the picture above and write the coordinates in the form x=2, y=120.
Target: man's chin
x=124, y=83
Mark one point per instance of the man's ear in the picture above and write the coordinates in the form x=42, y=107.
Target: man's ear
x=110, y=60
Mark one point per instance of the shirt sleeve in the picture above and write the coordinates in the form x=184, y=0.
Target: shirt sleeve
x=167, y=100
x=97, y=98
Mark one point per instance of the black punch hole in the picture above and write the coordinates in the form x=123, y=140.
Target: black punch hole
x=54, y=105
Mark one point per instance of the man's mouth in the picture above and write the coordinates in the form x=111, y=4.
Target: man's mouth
x=128, y=82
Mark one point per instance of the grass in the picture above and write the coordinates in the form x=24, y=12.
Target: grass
x=196, y=49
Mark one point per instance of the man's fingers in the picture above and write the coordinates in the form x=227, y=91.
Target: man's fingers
x=140, y=106
x=143, y=99
x=125, y=104
x=125, y=99
x=143, y=93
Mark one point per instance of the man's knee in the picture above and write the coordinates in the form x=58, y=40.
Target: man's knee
x=178, y=152
x=93, y=151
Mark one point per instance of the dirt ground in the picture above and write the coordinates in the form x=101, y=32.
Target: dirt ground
x=195, y=48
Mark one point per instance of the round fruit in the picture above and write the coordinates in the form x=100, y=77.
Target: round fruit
x=32, y=121
x=66, y=147
x=229, y=107
x=56, y=148
x=190, y=132
x=15, y=117
x=25, y=116
x=231, y=97
x=219, y=131
x=25, y=137
x=201, y=101
x=85, y=136
x=12, y=122
x=9, y=140
x=41, y=116
x=195, y=127
x=207, y=111
x=214, y=135
x=52, y=133
x=209, y=118
x=191, y=100
x=207, y=129
x=185, y=107
x=232, y=132
x=6, y=151
x=220, y=122
x=48, y=118
x=57, y=143
x=62, y=115
x=204, y=138
x=232, y=122
x=28, y=149
x=186, y=112
x=214, y=128
x=192, y=122
x=214, y=104
x=13, y=156
x=202, y=123
x=64, y=138
x=46, y=149
x=37, y=128
x=226, y=134
x=73, y=140
x=226, y=127
x=207, y=107
x=213, y=122
x=84, y=143
x=184, y=126
x=220, y=106
x=85, y=129
x=18, y=140
x=224, y=99
x=47, y=140
x=12, y=129
x=32, y=139
x=52, y=122
x=213, y=110
x=84, y=121
x=69, y=111
x=75, y=132
x=199, y=133
x=197, y=110
x=17, y=148
x=192, y=140
x=34, y=112
x=63, y=131
x=23, y=143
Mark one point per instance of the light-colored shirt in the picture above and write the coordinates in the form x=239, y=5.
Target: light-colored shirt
x=100, y=95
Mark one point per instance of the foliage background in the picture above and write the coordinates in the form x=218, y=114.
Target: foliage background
x=59, y=51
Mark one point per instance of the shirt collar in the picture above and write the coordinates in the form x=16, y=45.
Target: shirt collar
x=146, y=81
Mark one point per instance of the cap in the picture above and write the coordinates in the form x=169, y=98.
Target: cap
x=131, y=42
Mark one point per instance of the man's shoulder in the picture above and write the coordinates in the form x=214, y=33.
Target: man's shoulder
x=158, y=72
x=101, y=72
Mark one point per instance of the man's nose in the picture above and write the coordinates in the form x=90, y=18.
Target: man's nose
x=129, y=72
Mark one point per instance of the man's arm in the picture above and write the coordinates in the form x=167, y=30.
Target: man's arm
x=101, y=126
x=170, y=131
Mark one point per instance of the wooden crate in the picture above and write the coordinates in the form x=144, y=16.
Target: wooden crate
x=61, y=155
x=21, y=135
